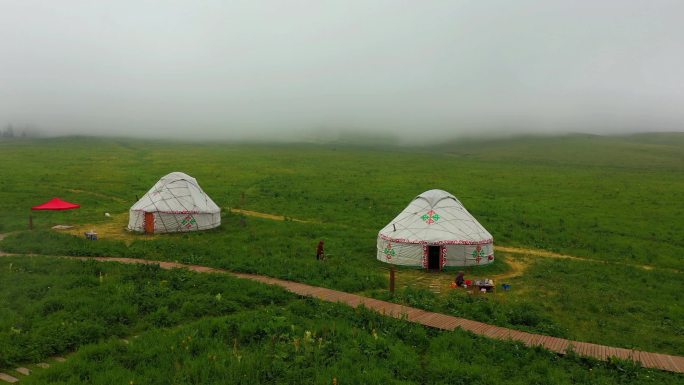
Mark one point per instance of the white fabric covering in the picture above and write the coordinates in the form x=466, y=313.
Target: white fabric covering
x=178, y=203
x=435, y=218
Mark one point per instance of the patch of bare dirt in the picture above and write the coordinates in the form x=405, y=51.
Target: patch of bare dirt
x=440, y=282
x=266, y=216
x=549, y=254
x=113, y=228
x=99, y=195
x=518, y=267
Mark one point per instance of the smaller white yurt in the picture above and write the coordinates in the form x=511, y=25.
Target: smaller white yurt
x=435, y=231
x=174, y=204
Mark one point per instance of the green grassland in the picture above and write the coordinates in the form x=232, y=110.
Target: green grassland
x=250, y=334
x=613, y=199
x=308, y=342
x=616, y=306
x=50, y=306
x=538, y=193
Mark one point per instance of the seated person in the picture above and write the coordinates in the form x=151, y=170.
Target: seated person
x=459, y=279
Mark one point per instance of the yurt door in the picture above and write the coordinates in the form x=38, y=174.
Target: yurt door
x=433, y=257
x=149, y=223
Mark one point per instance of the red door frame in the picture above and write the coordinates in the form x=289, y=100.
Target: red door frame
x=149, y=223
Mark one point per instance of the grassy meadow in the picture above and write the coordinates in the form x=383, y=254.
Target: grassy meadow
x=617, y=202
x=309, y=342
x=143, y=325
x=613, y=198
x=52, y=306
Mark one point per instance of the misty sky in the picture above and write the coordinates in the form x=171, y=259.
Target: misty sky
x=295, y=69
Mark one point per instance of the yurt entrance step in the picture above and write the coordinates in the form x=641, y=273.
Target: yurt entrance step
x=433, y=258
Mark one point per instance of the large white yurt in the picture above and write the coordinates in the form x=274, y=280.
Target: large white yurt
x=435, y=231
x=174, y=204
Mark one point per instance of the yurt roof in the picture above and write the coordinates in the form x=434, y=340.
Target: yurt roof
x=436, y=216
x=176, y=193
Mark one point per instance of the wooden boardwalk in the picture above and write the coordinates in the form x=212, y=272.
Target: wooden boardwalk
x=439, y=321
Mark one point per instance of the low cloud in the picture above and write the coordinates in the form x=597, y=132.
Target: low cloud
x=299, y=70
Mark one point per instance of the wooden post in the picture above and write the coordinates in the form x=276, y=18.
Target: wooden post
x=392, y=279
x=30, y=222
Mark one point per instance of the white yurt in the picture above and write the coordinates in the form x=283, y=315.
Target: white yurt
x=174, y=204
x=435, y=231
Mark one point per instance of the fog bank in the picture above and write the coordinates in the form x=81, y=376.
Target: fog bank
x=305, y=70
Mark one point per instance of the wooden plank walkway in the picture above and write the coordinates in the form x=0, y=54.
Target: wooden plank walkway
x=437, y=320
x=7, y=378
x=17, y=374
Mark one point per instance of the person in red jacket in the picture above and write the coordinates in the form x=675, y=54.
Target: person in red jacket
x=320, y=254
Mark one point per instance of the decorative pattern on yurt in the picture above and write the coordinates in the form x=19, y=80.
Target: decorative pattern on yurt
x=435, y=222
x=176, y=203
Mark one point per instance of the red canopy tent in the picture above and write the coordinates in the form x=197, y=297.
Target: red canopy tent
x=56, y=204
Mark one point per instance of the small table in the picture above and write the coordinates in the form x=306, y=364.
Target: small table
x=488, y=286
